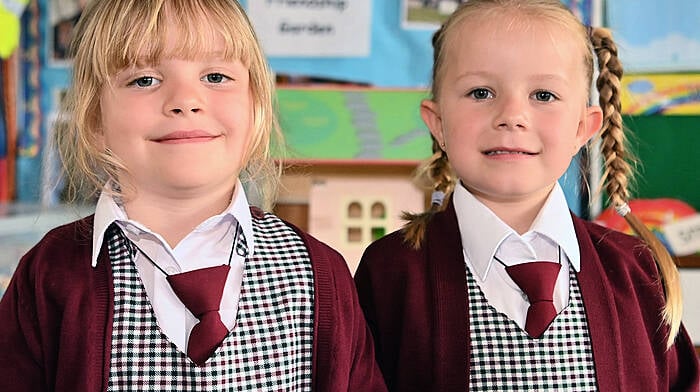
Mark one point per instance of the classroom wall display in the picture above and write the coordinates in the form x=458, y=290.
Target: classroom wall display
x=400, y=52
x=331, y=28
x=44, y=75
x=659, y=36
x=399, y=56
x=650, y=94
x=353, y=124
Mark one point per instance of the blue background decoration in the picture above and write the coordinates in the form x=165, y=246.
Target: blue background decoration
x=661, y=36
x=399, y=57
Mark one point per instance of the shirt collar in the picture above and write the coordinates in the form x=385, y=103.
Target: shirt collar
x=555, y=221
x=108, y=211
x=482, y=232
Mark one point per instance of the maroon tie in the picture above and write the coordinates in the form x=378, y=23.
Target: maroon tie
x=537, y=280
x=200, y=291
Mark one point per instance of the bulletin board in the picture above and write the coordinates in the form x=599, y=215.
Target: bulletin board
x=398, y=51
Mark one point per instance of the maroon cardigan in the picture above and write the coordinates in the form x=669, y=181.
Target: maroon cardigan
x=415, y=302
x=56, y=319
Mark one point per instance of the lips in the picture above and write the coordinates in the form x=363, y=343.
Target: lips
x=507, y=151
x=195, y=136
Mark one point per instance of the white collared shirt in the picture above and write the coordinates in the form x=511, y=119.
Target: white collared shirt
x=209, y=244
x=484, y=236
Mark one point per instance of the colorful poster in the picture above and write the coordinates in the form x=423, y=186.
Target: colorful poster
x=354, y=124
x=661, y=94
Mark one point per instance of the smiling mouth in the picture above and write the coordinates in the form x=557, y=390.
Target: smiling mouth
x=185, y=137
x=508, y=152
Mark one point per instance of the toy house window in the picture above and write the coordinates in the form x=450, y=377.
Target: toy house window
x=355, y=210
x=378, y=220
x=354, y=234
x=354, y=215
x=378, y=210
x=365, y=221
x=378, y=232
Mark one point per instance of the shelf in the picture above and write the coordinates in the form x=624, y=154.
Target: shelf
x=692, y=261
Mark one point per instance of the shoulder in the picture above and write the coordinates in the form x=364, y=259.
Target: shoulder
x=64, y=242
x=59, y=262
x=391, y=261
x=391, y=247
x=616, y=250
x=441, y=240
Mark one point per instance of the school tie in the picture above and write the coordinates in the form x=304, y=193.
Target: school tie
x=537, y=279
x=200, y=291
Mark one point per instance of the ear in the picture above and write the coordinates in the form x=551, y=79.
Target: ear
x=430, y=112
x=589, y=126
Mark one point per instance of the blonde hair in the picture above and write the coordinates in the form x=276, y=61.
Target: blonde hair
x=439, y=173
x=112, y=35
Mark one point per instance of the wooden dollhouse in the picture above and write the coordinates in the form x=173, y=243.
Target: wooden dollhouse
x=353, y=152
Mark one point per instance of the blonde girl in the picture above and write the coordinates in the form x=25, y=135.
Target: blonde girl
x=177, y=282
x=509, y=110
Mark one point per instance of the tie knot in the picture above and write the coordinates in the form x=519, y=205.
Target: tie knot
x=536, y=279
x=200, y=290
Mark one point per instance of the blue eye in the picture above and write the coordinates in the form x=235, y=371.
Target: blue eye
x=544, y=96
x=480, y=94
x=144, y=81
x=215, y=78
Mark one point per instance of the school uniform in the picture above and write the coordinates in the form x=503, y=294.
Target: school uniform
x=72, y=321
x=446, y=318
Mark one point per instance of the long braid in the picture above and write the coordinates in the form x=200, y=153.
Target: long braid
x=617, y=171
x=437, y=171
x=613, y=139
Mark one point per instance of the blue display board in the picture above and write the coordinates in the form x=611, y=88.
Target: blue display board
x=400, y=51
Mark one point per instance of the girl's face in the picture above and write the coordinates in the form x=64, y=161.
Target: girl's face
x=181, y=127
x=511, y=109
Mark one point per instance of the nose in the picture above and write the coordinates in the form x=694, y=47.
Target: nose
x=511, y=114
x=183, y=100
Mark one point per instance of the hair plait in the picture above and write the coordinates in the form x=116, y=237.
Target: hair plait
x=438, y=172
x=617, y=170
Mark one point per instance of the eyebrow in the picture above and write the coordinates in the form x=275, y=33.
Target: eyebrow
x=486, y=74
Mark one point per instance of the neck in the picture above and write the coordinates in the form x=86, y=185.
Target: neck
x=519, y=218
x=519, y=213
x=175, y=218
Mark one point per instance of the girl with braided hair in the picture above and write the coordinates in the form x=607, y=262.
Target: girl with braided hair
x=449, y=297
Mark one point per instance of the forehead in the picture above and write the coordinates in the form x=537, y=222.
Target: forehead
x=186, y=33
x=512, y=34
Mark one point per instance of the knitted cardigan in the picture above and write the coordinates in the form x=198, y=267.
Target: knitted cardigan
x=56, y=319
x=415, y=301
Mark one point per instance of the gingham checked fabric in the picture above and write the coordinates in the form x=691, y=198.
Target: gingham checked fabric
x=505, y=358
x=269, y=349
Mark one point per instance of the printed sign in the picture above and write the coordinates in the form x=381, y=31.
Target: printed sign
x=312, y=28
x=684, y=235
